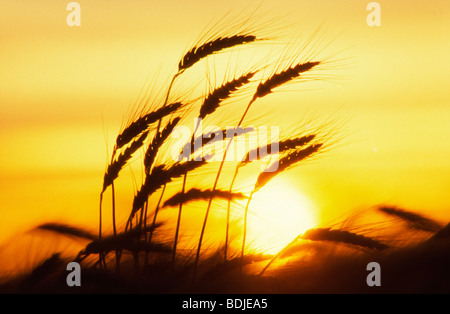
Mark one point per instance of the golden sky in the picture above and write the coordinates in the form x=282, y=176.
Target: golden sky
x=64, y=92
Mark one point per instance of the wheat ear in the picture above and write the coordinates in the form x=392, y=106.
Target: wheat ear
x=141, y=124
x=195, y=194
x=197, y=53
x=342, y=236
x=413, y=220
x=114, y=167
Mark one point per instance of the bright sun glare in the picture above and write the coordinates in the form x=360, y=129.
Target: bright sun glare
x=279, y=212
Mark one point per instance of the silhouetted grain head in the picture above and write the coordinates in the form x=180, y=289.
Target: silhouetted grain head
x=341, y=236
x=151, y=184
x=156, y=143
x=160, y=176
x=285, y=162
x=105, y=245
x=199, y=52
x=67, y=230
x=195, y=194
x=213, y=100
x=293, y=143
x=114, y=168
x=230, y=133
x=283, y=146
x=413, y=220
x=142, y=123
x=42, y=271
x=179, y=169
x=213, y=137
x=282, y=77
x=118, y=241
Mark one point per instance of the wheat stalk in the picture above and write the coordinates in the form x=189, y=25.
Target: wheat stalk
x=209, y=106
x=280, y=78
x=195, y=194
x=66, y=230
x=413, y=220
x=151, y=153
x=283, y=146
x=157, y=176
x=285, y=162
x=195, y=54
x=216, y=97
x=149, y=158
x=123, y=241
x=41, y=272
x=141, y=124
x=263, y=89
x=342, y=236
x=112, y=172
x=160, y=176
x=211, y=103
x=211, y=137
x=158, y=140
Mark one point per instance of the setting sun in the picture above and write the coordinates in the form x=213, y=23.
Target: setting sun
x=279, y=213
x=184, y=148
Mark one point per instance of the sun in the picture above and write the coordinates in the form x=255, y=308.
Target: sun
x=279, y=212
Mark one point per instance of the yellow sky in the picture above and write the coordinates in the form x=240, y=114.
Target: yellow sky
x=64, y=89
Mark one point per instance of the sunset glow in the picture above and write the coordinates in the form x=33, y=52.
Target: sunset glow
x=280, y=212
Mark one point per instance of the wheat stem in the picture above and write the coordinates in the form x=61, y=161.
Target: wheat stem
x=219, y=171
x=100, y=256
x=229, y=214
x=156, y=213
x=178, y=222
x=244, y=235
x=114, y=224
x=278, y=254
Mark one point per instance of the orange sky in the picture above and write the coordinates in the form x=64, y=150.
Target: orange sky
x=64, y=89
